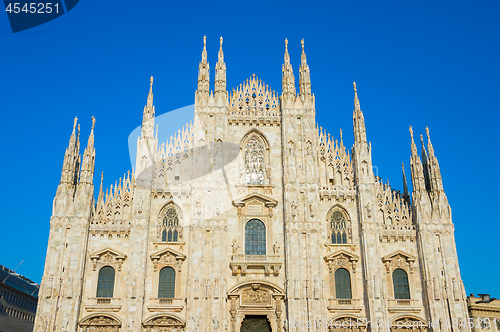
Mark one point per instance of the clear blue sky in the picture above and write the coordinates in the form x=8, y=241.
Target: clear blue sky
x=421, y=63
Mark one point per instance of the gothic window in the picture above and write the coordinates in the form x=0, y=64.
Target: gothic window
x=106, y=282
x=255, y=238
x=254, y=162
x=342, y=284
x=401, y=285
x=170, y=226
x=338, y=227
x=166, y=287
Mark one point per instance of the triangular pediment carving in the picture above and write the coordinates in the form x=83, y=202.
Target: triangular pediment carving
x=168, y=252
x=168, y=256
x=267, y=201
x=342, y=254
x=399, y=259
x=399, y=254
x=341, y=259
x=106, y=253
x=108, y=256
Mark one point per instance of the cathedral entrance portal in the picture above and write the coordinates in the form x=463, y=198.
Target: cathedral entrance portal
x=255, y=323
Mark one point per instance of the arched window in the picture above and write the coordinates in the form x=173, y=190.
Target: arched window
x=170, y=226
x=342, y=284
x=254, y=162
x=255, y=238
x=166, y=287
x=401, y=285
x=338, y=226
x=106, y=282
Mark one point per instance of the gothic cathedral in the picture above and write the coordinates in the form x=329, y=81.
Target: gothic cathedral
x=251, y=218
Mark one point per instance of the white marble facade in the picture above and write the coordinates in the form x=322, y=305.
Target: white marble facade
x=254, y=211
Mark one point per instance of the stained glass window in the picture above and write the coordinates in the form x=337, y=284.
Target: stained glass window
x=254, y=162
x=106, y=282
x=401, y=286
x=342, y=284
x=166, y=287
x=338, y=225
x=255, y=238
x=170, y=226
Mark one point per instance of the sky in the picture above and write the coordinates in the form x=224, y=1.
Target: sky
x=420, y=63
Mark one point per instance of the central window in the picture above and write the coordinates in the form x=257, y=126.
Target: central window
x=255, y=238
x=170, y=225
x=254, y=162
x=106, y=282
x=338, y=227
x=166, y=287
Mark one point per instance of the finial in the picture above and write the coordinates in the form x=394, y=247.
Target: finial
x=93, y=123
x=355, y=90
x=428, y=135
x=411, y=133
x=302, y=42
x=74, y=123
x=151, y=82
x=286, y=43
x=204, y=42
x=220, y=41
x=422, y=139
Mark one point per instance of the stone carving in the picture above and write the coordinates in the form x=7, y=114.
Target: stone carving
x=64, y=324
x=294, y=205
x=131, y=324
x=398, y=260
x=215, y=323
x=235, y=247
x=312, y=211
x=255, y=296
x=276, y=248
x=368, y=210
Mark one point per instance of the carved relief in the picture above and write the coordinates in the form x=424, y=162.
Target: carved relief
x=343, y=259
x=100, y=324
x=168, y=257
x=255, y=296
x=108, y=257
x=398, y=259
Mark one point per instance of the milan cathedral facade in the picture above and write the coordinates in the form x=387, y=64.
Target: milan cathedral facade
x=251, y=218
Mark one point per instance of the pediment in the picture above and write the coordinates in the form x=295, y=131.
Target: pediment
x=107, y=253
x=101, y=320
x=267, y=201
x=399, y=254
x=167, y=320
x=168, y=252
x=342, y=254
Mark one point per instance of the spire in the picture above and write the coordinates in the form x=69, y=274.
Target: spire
x=203, y=73
x=71, y=161
x=406, y=195
x=429, y=143
x=417, y=172
x=435, y=180
x=425, y=163
x=220, y=73
x=358, y=119
x=148, y=114
x=87, y=170
x=150, y=94
x=304, y=75
x=288, y=80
